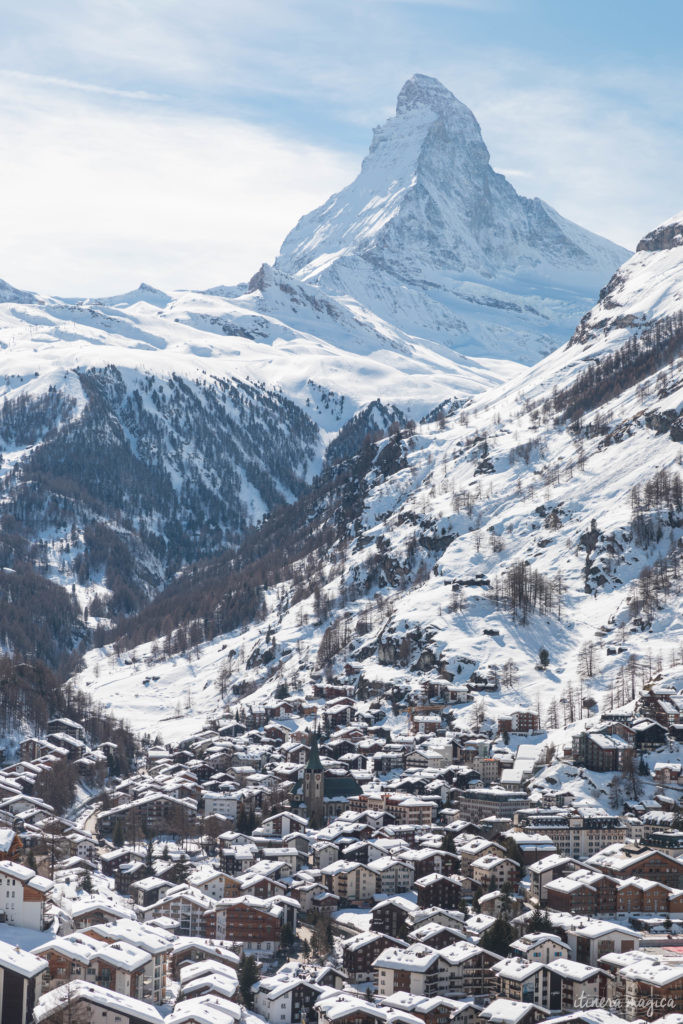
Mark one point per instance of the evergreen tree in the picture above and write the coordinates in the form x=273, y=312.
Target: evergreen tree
x=498, y=937
x=247, y=975
x=183, y=868
x=86, y=884
x=149, y=854
x=535, y=922
x=117, y=834
x=241, y=819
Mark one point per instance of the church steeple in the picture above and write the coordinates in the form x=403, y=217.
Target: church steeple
x=314, y=764
x=314, y=785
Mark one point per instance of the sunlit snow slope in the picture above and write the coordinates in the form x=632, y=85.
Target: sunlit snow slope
x=561, y=492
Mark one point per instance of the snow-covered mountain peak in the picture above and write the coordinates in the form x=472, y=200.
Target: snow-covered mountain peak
x=434, y=141
x=424, y=91
x=431, y=237
x=143, y=293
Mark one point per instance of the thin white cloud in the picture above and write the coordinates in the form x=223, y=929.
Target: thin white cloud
x=28, y=78
x=99, y=197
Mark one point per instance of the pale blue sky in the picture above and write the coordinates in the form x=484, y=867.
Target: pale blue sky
x=177, y=142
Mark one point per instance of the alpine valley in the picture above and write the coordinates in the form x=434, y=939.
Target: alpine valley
x=440, y=435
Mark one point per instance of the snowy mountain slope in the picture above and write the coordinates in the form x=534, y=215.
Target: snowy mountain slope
x=429, y=235
x=473, y=544
x=112, y=479
x=647, y=287
x=175, y=420
x=286, y=334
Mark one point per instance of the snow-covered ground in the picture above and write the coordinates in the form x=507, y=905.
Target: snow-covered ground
x=494, y=487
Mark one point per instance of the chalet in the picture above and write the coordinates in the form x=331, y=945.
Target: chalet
x=593, y=939
x=437, y=890
x=460, y=969
x=471, y=849
x=511, y=1011
x=75, y=748
x=350, y=881
x=623, y=861
x=666, y=772
x=253, y=922
x=583, y=892
x=547, y=870
x=93, y=910
x=117, y=965
x=208, y=978
x=285, y=998
x=128, y=874
x=283, y=823
x=148, y=890
x=23, y=896
x=218, y=803
x=524, y=722
x=195, y=948
x=344, y=1008
x=391, y=876
x=492, y=872
x=150, y=814
x=154, y=941
x=641, y=734
x=600, y=752
x=653, y=986
x=436, y=935
x=183, y=904
x=21, y=978
x=112, y=859
x=390, y=916
x=67, y=726
x=10, y=844
x=360, y=952
x=100, y=1004
x=331, y=977
x=426, y=861
x=644, y=895
x=519, y=979
x=540, y=947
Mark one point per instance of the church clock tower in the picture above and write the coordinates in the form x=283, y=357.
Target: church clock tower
x=314, y=786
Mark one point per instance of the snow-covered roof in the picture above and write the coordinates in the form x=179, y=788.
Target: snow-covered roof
x=12, y=958
x=52, y=1002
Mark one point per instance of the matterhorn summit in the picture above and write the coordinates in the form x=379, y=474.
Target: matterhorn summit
x=431, y=238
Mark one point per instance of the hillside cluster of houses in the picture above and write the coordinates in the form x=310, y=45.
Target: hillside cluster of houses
x=432, y=874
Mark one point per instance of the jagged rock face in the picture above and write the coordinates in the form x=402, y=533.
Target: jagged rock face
x=428, y=211
x=667, y=236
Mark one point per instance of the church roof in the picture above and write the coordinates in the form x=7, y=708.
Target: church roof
x=314, y=764
x=341, y=785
